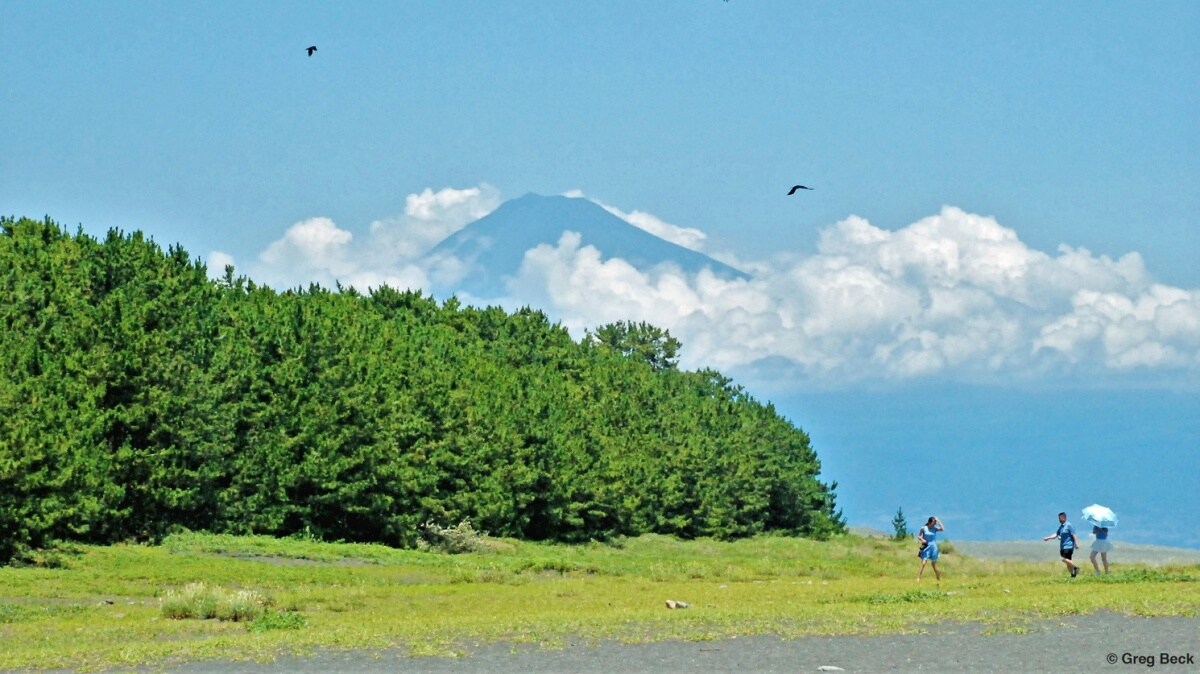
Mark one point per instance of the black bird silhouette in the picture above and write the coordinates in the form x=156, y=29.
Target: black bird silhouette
x=311, y=49
x=797, y=187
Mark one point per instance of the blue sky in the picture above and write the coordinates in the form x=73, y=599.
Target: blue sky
x=1004, y=207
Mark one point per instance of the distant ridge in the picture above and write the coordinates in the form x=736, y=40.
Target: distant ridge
x=493, y=247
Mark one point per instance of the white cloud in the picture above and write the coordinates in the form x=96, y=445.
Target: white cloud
x=317, y=250
x=451, y=204
x=313, y=250
x=1159, y=327
x=311, y=241
x=953, y=295
x=430, y=217
x=216, y=263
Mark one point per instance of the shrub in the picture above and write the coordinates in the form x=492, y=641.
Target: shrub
x=195, y=600
x=241, y=606
x=201, y=602
x=451, y=540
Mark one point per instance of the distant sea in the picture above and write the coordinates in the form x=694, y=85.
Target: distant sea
x=999, y=464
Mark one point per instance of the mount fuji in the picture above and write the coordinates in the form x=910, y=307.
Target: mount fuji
x=490, y=250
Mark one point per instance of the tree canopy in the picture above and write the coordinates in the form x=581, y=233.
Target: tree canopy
x=139, y=397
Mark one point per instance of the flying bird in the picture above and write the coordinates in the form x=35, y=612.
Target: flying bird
x=311, y=49
x=797, y=187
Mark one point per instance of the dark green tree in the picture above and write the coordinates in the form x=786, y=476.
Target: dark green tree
x=900, y=525
x=639, y=341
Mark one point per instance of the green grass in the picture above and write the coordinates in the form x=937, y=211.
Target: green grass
x=132, y=605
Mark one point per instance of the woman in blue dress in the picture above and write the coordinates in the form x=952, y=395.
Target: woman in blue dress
x=928, y=536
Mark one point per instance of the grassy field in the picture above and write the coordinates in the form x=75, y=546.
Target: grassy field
x=95, y=607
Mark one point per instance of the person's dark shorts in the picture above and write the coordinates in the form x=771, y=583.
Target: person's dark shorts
x=1066, y=554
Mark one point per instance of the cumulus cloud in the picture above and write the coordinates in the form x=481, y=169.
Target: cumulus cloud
x=317, y=250
x=216, y=263
x=953, y=295
x=430, y=217
x=1159, y=327
x=316, y=242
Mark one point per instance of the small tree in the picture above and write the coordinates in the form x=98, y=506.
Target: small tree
x=900, y=525
x=451, y=540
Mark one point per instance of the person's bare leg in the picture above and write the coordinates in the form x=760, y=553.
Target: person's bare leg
x=936, y=572
x=921, y=570
x=1094, y=564
x=1104, y=558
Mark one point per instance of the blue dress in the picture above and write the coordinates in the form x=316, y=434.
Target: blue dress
x=931, y=548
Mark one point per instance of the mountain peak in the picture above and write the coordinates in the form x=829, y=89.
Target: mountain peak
x=491, y=249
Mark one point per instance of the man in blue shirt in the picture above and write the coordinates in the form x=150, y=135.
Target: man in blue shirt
x=1066, y=543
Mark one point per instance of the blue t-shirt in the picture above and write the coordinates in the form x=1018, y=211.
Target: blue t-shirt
x=1101, y=533
x=1066, y=539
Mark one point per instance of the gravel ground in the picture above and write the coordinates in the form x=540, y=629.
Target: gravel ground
x=1096, y=643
